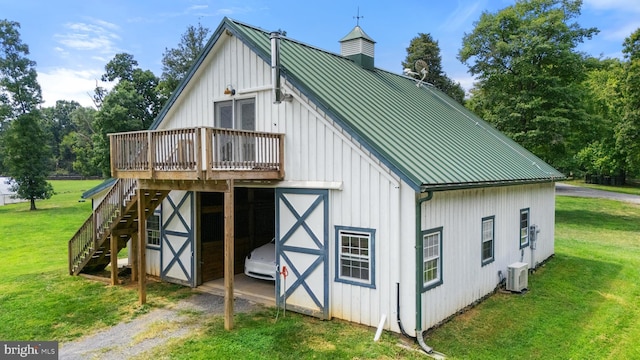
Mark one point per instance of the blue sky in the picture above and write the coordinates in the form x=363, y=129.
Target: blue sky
x=72, y=40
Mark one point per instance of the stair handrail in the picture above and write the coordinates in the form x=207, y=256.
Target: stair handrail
x=102, y=220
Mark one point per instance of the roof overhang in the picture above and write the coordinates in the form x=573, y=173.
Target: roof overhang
x=485, y=184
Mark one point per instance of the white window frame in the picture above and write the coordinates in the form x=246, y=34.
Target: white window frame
x=236, y=148
x=524, y=227
x=236, y=113
x=365, y=257
x=431, y=254
x=154, y=232
x=487, y=235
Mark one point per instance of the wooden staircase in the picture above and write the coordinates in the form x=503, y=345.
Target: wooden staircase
x=114, y=219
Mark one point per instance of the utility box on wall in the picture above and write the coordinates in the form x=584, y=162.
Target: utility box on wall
x=517, y=277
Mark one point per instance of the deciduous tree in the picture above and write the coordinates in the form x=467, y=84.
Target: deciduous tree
x=176, y=62
x=27, y=157
x=600, y=158
x=131, y=105
x=58, y=123
x=19, y=89
x=24, y=143
x=80, y=142
x=529, y=74
x=628, y=131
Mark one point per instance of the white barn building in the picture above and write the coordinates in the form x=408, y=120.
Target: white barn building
x=384, y=198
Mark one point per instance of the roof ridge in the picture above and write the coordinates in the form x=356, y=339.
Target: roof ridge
x=295, y=41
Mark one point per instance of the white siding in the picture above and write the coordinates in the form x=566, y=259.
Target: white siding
x=318, y=150
x=315, y=150
x=153, y=261
x=229, y=63
x=460, y=214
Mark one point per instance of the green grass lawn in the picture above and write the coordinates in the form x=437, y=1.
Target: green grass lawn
x=38, y=299
x=583, y=304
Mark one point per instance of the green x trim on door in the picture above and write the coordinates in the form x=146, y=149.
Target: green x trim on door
x=301, y=246
x=177, y=239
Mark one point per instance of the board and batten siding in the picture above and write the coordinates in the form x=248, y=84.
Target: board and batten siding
x=230, y=62
x=316, y=150
x=460, y=213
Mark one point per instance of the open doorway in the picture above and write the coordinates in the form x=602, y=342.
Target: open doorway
x=254, y=227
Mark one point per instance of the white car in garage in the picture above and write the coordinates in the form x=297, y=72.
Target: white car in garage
x=261, y=262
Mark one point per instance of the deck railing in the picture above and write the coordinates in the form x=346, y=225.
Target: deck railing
x=197, y=153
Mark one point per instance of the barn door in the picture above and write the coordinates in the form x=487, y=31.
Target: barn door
x=301, y=246
x=178, y=238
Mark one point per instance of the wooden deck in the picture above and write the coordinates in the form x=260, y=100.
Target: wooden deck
x=201, y=153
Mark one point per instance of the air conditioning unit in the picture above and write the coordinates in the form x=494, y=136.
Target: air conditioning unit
x=517, y=277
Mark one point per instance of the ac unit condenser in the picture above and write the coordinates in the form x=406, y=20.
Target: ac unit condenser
x=517, y=277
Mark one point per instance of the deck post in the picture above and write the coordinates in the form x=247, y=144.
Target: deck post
x=142, y=230
x=113, y=157
x=150, y=153
x=114, y=258
x=208, y=146
x=228, y=254
x=198, y=154
x=281, y=155
x=133, y=257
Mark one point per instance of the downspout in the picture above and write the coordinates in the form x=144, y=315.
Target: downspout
x=419, y=331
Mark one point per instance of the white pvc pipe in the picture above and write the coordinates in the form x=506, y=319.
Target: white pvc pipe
x=379, y=331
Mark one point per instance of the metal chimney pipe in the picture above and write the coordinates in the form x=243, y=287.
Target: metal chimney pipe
x=275, y=67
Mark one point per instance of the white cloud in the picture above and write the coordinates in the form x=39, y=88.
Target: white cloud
x=466, y=81
x=622, y=32
x=68, y=84
x=97, y=36
x=460, y=16
x=198, y=7
x=233, y=11
x=106, y=24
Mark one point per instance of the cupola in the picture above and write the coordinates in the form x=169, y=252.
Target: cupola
x=359, y=47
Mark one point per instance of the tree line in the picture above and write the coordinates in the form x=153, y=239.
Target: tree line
x=67, y=138
x=579, y=113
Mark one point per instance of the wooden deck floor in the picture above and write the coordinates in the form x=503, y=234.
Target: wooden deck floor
x=258, y=291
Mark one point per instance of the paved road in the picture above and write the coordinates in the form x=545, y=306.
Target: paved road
x=572, y=190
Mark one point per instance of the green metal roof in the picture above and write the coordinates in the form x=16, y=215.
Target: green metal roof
x=425, y=137
x=98, y=188
x=357, y=33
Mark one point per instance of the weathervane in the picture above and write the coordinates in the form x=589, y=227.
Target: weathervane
x=358, y=17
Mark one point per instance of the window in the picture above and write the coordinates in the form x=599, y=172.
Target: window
x=431, y=258
x=487, y=239
x=355, y=252
x=524, y=228
x=239, y=115
x=236, y=114
x=153, y=230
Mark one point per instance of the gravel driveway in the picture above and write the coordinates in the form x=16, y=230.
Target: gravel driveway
x=150, y=330
x=572, y=190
